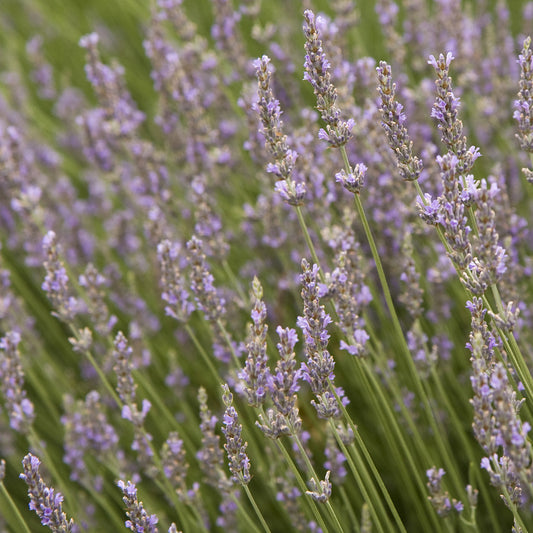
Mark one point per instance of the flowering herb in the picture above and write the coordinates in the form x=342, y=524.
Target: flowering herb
x=192, y=309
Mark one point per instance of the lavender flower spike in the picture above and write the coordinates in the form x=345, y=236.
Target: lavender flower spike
x=269, y=112
x=56, y=282
x=208, y=300
x=239, y=464
x=255, y=372
x=318, y=368
x=317, y=73
x=353, y=181
x=139, y=520
x=439, y=498
x=523, y=112
x=174, y=292
x=283, y=385
x=210, y=456
x=524, y=105
x=276, y=142
x=45, y=501
x=20, y=409
x=175, y=464
x=446, y=111
x=122, y=355
x=393, y=122
x=321, y=491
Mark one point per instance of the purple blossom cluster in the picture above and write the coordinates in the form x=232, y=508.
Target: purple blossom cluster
x=446, y=111
x=19, y=407
x=138, y=519
x=153, y=195
x=118, y=115
x=437, y=496
x=175, y=466
x=347, y=290
x=394, y=118
x=255, y=374
x=174, y=289
x=523, y=112
x=239, y=463
x=56, y=281
x=283, y=385
x=88, y=432
x=318, y=367
x=317, y=73
x=269, y=111
x=44, y=500
x=497, y=423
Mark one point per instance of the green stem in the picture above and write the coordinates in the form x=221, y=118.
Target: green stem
x=378, y=517
x=256, y=508
x=308, y=240
x=303, y=487
x=21, y=523
x=390, y=421
x=236, y=282
x=313, y=474
x=349, y=508
x=206, y=359
x=244, y=513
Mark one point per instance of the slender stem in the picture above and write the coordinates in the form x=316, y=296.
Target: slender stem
x=244, y=513
x=406, y=456
x=371, y=464
x=333, y=515
x=313, y=474
x=21, y=523
x=227, y=338
x=206, y=359
x=450, y=465
x=349, y=508
x=303, y=487
x=308, y=240
x=256, y=508
x=378, y=517
x=235, y=281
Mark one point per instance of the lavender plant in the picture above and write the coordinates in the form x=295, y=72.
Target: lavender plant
x=252, y=285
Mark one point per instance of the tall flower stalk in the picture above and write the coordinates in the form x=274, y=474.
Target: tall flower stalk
x=338, y=394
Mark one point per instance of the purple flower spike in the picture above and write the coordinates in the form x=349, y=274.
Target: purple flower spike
x=139, y=520
x=123, y=368
x=283, y=385
x=319, y=365
x=439, y=498
x=19, y=407
x=56, y=282
x=269, y=112
x=173, y=288
x=393, y=120
x=523, y=106
x=317, y=73
x=45, y=501
x=446, y=111
x=255, y=373
x=353, y=181
x=239, y=463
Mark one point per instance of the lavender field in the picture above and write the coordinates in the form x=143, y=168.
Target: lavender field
x=266, y=266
